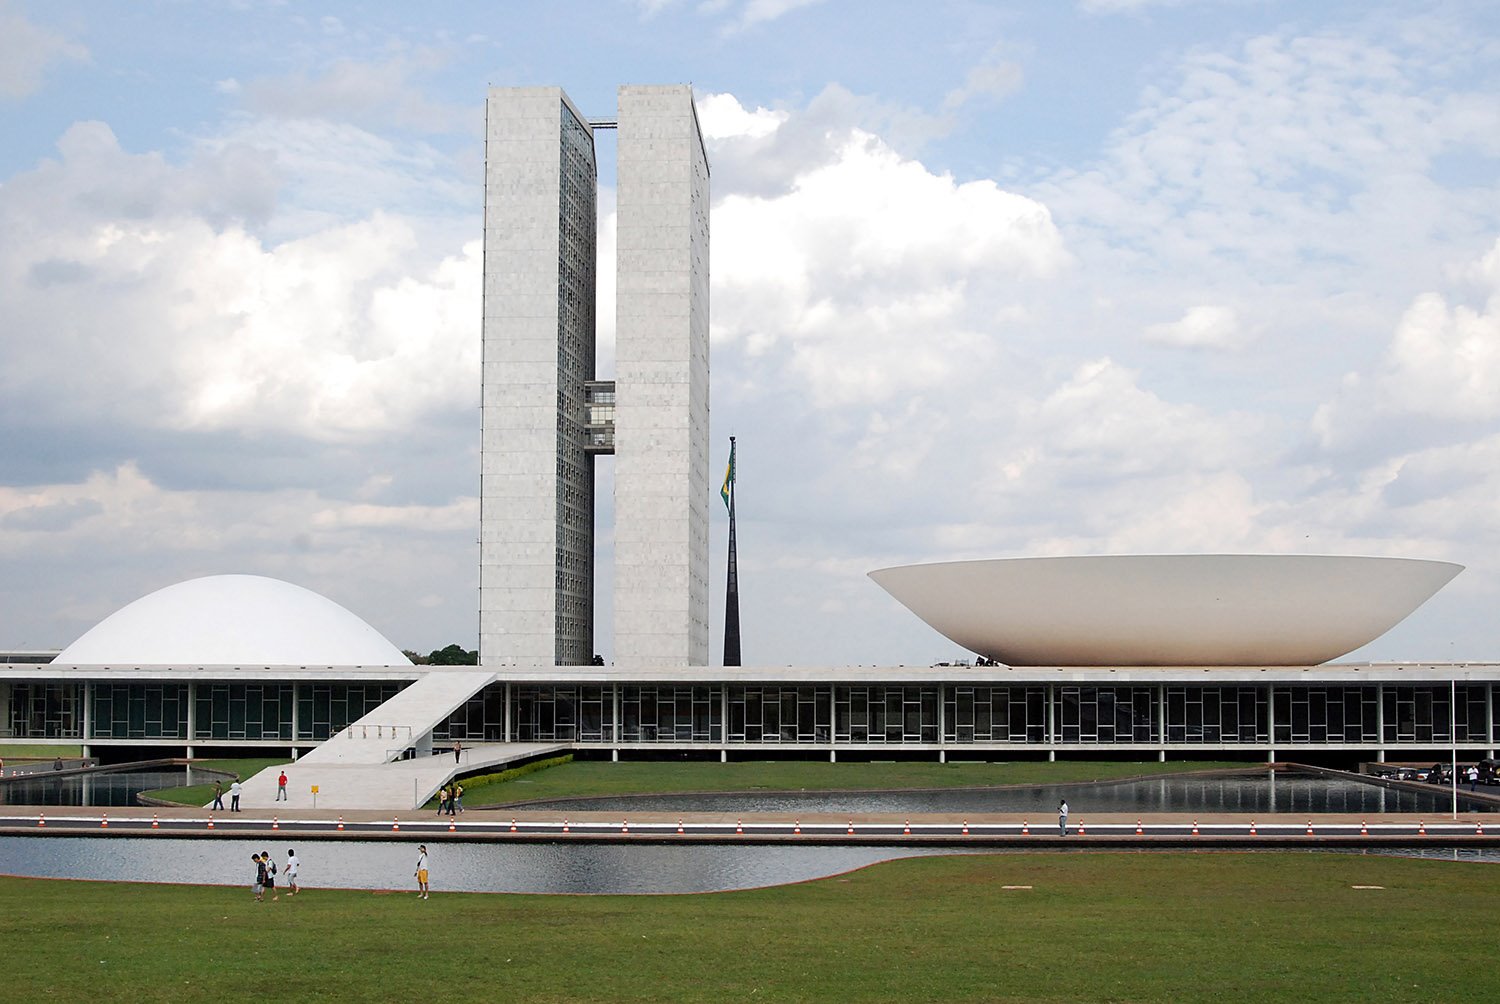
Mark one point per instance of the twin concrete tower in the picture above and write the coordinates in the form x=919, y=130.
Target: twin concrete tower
x=546, y=417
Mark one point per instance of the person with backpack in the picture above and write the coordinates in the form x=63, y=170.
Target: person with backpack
x=442, y=800
x=270, y=865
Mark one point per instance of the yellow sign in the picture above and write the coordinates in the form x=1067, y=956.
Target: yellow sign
x=314, y=789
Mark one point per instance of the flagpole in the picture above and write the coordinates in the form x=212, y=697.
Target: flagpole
x=732, y=590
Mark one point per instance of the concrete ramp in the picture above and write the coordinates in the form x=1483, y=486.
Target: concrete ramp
x=405, y=721
x=399, y=786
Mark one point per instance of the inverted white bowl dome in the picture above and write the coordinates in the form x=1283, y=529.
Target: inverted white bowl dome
x=1166, y=609
x=233, y=620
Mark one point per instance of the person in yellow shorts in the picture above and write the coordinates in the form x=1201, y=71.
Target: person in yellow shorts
x=422, y=871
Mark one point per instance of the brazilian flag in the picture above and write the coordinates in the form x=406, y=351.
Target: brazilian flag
x=728, y=477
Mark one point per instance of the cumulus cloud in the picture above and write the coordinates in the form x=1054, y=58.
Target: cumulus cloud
x=1206, y=326
x=28, y=51
x=194, y=323
x=863, y=267
x=1442, y=364
x=369, y=557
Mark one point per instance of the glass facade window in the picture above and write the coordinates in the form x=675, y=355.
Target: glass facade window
x=777, y=714
x=243, y=711
x=561, y=714
x=995, y=715
x=45, y=711
x=670, y=714
x=1220, y=715
x=325, y=708
x=481, y=718
x=1105, y=714
x=1389, y=716
x=886, y=714
x=139, y=711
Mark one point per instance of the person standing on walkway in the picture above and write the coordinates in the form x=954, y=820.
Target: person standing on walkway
x=422, y=871
x=293, y=866
x=458, y=749
x=1062, y=818
x=1473, y=773
x=234, y=796
x=219, y=795
x=260, y=878
x=281, y=788
x=442, y=800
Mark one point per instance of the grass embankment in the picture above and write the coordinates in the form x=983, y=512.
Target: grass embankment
x=600, y=778
x=21, y=751
x=1136, y=927
x=202, y=794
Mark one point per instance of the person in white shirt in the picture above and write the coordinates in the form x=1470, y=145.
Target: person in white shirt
x=234, y=797
x=293, y=864
x=422, y=871
x=1062, y=818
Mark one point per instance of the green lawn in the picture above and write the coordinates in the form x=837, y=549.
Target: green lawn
x=1092, y=927
x=202, y=794
x=19, y=751
x=594, y=777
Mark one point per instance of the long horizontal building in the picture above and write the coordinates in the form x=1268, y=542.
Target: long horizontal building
x=1376, y=710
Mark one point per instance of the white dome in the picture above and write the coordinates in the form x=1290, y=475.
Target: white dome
x=232, y=620
x=1166, y=609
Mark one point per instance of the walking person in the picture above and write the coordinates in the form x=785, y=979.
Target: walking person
x=453, y=791
x=1062, y=818
x=458, y=796
x=458, y=749
x=422, y=871
x=270, y=865
x=219, y=795
x=281, y=788
x=260, y=878
x=293, y=866
x=442, y=800
x=234, y=796
x=1473, y=776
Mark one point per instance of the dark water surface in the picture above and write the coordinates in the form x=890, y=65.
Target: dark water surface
x=96, y=788
x=1259, y=793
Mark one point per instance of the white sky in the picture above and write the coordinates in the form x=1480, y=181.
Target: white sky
x=989, y=279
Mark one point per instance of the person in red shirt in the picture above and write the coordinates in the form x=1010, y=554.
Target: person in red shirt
x=281, y=787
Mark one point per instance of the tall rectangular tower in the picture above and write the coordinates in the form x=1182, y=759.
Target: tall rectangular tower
x=536, y=565
x=661, y=381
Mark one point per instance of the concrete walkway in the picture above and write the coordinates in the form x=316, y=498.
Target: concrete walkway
x=406, y=720
x=401, y=785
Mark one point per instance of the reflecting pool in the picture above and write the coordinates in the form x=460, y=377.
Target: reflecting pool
x=1261, y=793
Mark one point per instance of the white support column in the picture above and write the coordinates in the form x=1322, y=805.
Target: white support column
x=942, y=722
x=1271, y=723
x=619, y=728
x=507, y=731
x=192, y=716
x=724, y=723
x=1489, y=719
x=1380, y=720
x=1051, y=733
x=88, y=715
x=294, y=721
x=1160, y=714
